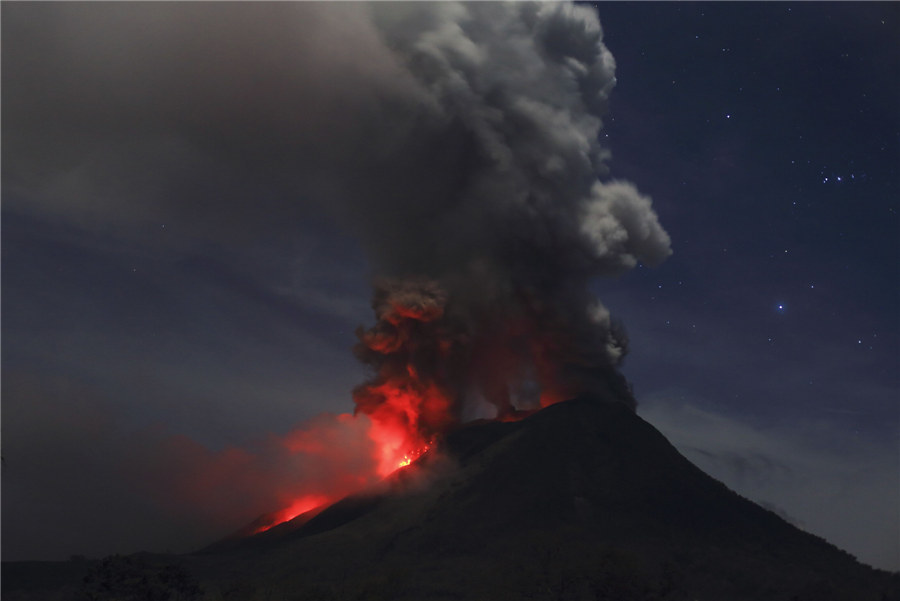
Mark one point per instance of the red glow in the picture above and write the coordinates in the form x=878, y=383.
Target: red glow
x=395, y=446
x=397, y=421
x=298, y=507
x=402, y=410
x=412, y=456
x=407, y=400
x=431, y=366
x=417, y=354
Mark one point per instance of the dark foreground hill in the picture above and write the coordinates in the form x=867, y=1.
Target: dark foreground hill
x=581, y=501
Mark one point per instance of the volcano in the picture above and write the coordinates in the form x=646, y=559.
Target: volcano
x=580, y=500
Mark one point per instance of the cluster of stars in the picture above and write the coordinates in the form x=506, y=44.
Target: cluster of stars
x=827, y=175
x=837, y=179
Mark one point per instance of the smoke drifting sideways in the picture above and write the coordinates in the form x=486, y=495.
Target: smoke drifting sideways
x=458, y=141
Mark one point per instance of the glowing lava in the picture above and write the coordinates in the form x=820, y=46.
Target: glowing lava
x=412, y=456
x=397, y=415
x=416, y=353
x=298, y=507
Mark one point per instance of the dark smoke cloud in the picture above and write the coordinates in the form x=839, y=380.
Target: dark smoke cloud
x=427, y=126
x=458, y=141
x=516, y=241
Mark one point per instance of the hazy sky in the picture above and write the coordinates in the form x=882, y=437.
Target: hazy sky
x=189, y=196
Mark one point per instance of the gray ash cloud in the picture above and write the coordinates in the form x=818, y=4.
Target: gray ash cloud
x=458, y=141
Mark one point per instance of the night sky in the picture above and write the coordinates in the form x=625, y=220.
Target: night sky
x=165, y=310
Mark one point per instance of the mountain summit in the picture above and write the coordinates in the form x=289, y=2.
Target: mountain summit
x=582, y=500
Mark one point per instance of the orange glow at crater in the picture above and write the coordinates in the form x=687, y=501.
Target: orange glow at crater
x=397, y=419
x=412, y=456
x=412, y=398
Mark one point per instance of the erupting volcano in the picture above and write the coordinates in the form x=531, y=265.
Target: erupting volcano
x=626, y=518
x=486, y=256
x=450, y=153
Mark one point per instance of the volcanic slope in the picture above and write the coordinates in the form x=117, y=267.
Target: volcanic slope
x=582, y=500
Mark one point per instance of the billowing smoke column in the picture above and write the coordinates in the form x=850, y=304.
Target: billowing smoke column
x=457, y=141
x=487, y=297
x=411, y=398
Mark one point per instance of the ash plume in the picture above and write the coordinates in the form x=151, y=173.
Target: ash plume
x=458, y=141
x=490, y=298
